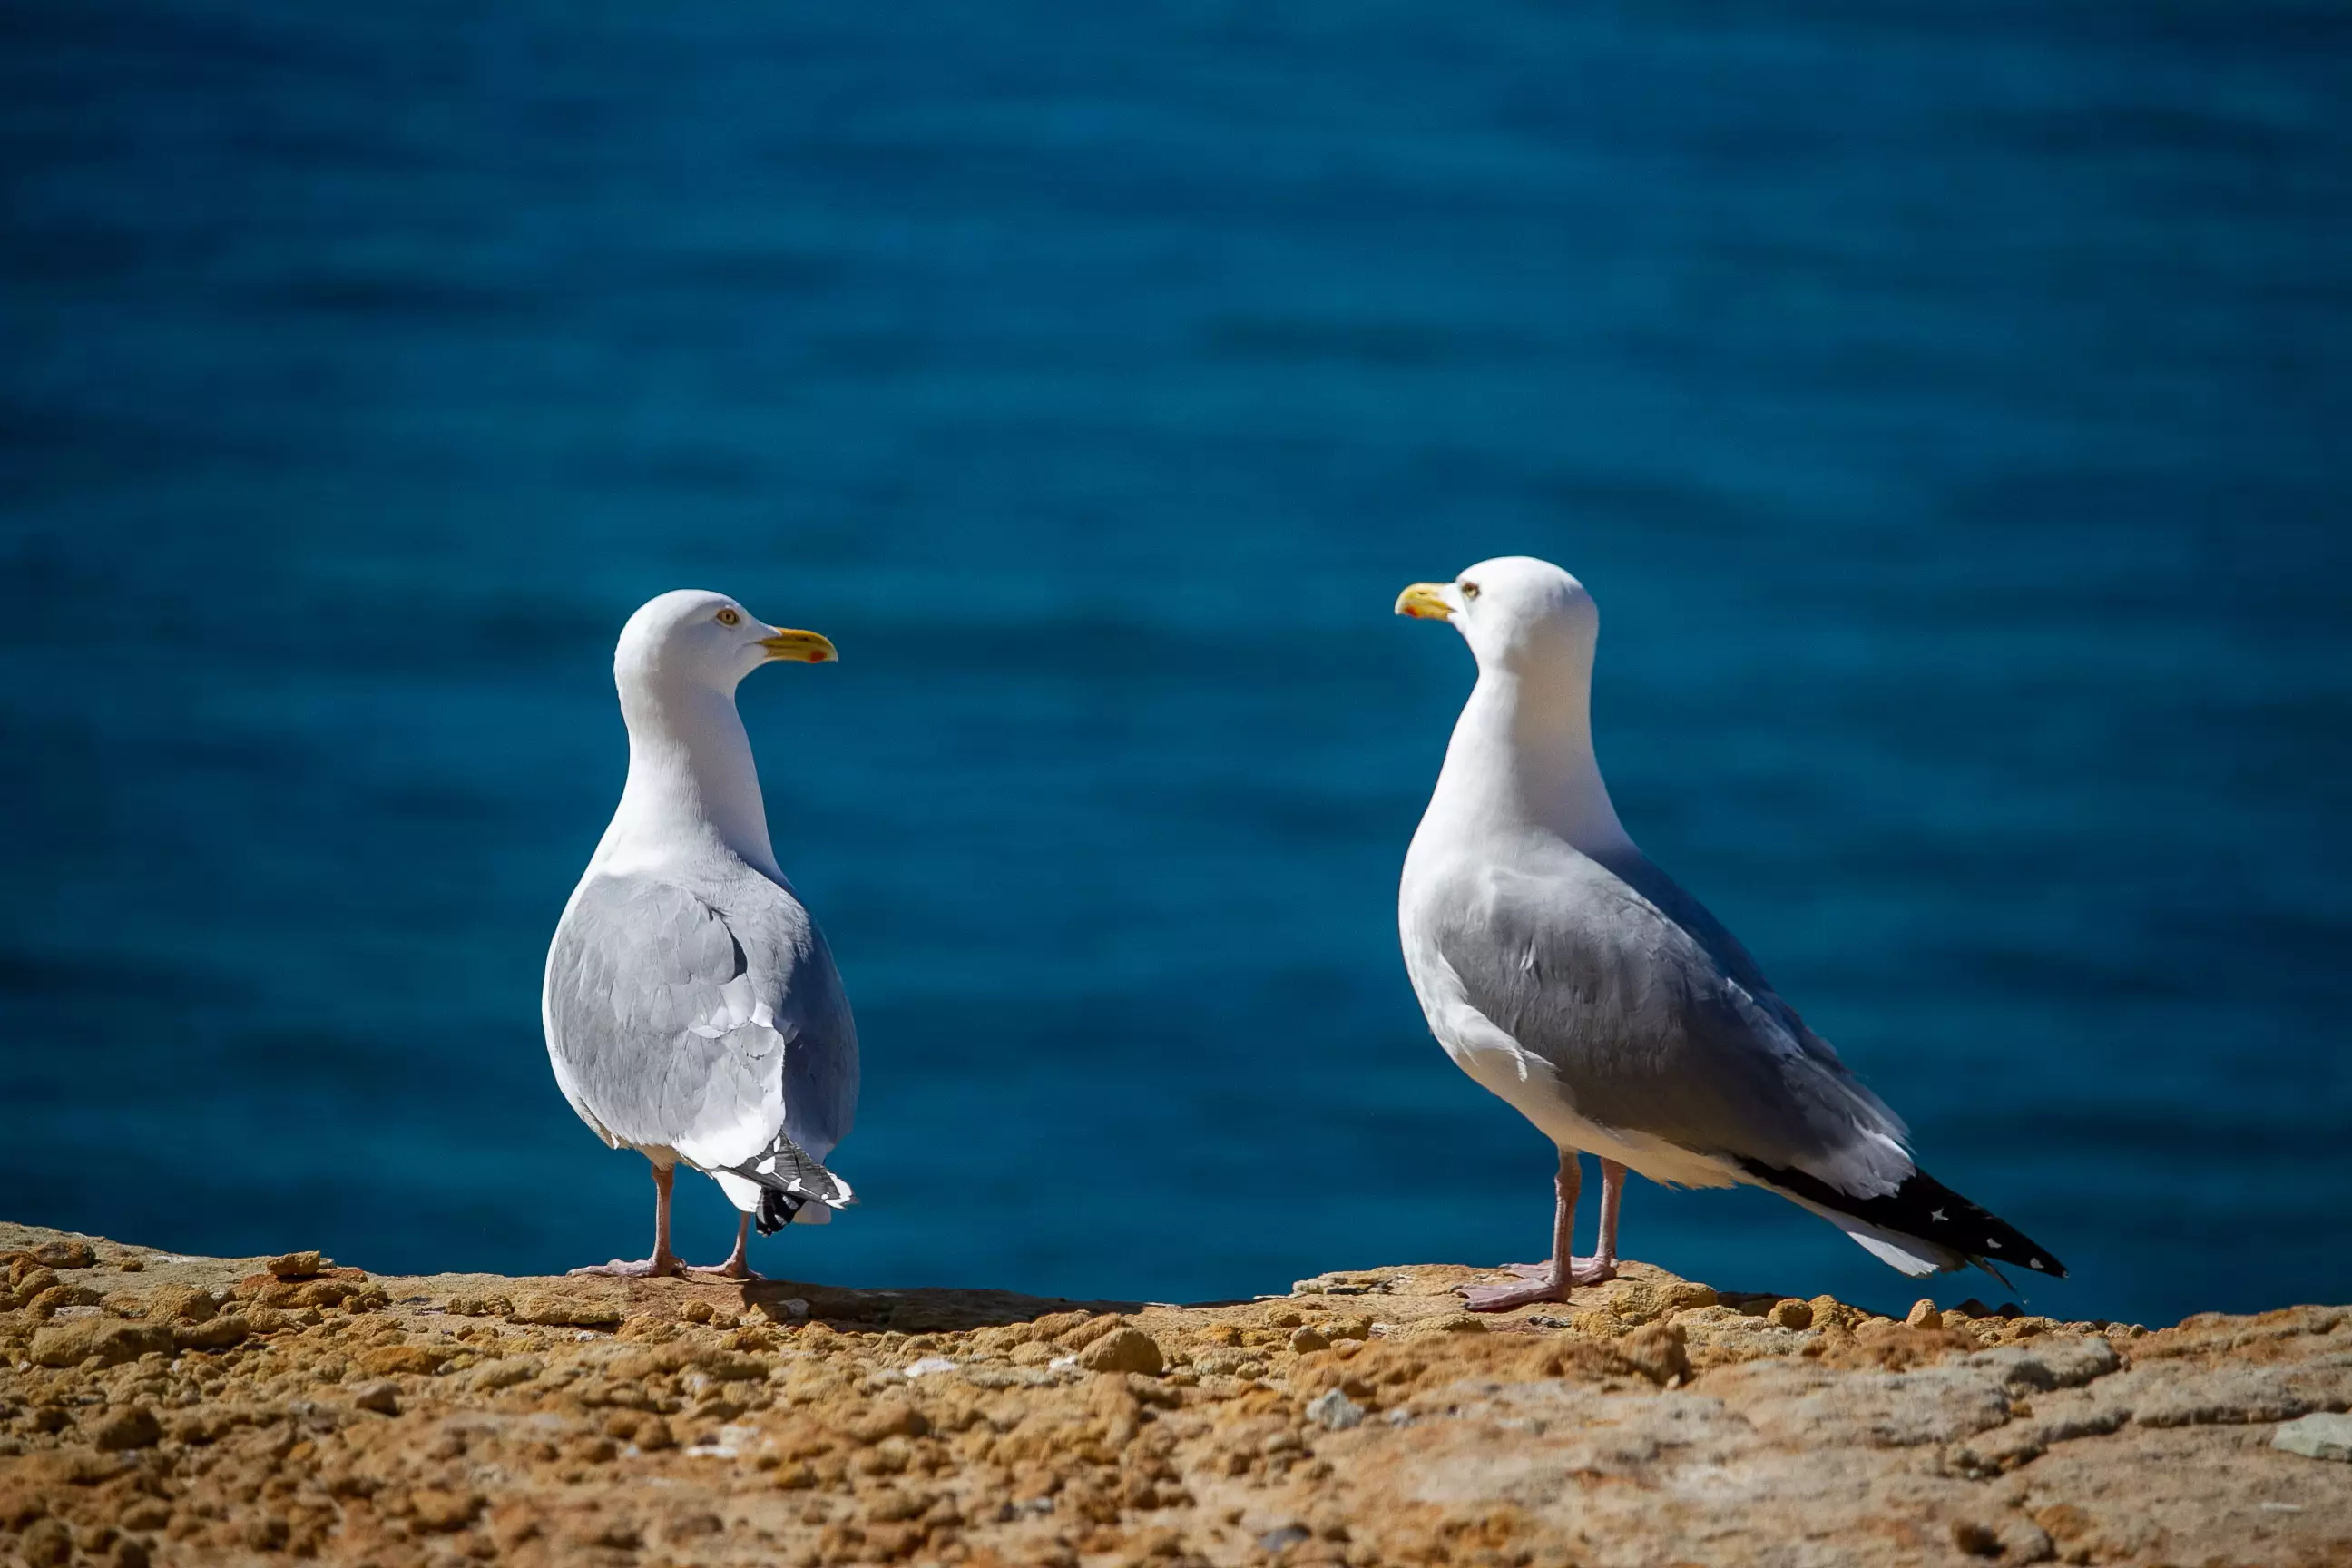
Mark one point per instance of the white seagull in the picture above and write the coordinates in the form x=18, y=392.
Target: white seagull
x=692, y=1009
x=1568, y=975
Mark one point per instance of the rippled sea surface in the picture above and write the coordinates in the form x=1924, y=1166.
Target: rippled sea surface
x=1948, y=409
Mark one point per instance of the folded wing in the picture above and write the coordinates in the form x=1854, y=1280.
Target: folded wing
x=708, y=1020
x=1648, y=1031
x=1654, y=1023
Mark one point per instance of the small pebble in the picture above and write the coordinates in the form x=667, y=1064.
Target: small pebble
x=1124, y=1349
x=2321, y=1436
x=46, y=1543
x=130, y=1427
x=1334, y=1411
x=1976, y=1540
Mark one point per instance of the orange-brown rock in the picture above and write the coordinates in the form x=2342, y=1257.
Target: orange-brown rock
x=1363, y=1419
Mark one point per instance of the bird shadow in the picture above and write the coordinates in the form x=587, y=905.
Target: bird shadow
x=923, y=1309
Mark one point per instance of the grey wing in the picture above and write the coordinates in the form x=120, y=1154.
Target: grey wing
x=687, y=1018
x=1637, y=871
x=821, y=1061
x=1654, y=1028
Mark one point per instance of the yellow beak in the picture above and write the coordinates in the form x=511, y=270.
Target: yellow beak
x=1425, y=602
x=807, y=648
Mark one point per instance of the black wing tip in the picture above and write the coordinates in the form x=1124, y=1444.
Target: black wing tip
x=776, y=1211
x=1925, y=1208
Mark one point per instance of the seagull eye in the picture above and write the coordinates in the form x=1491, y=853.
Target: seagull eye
x=1469, y=590
x=728, y=618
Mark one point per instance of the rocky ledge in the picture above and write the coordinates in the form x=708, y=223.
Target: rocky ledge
x=165, y=1409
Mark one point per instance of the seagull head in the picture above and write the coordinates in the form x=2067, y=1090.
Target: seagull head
x=1515, y=612
x=691, y=637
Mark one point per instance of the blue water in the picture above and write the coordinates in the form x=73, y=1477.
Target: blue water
x=1948, y=408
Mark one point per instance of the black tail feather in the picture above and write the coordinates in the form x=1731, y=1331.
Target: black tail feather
x=1926, y=1208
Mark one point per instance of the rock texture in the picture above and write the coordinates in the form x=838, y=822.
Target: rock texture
x=156, y=1409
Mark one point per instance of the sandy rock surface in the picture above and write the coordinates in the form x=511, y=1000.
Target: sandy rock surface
x=159, y=1409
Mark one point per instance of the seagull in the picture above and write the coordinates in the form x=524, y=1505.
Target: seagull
x=1571, y=977
x=692, y=1009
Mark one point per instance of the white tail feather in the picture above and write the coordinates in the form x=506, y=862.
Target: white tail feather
x=1904, y=1254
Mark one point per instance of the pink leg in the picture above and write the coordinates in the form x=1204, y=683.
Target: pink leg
x=1603, y=1264
x=663, y=1261
x=1612, y=1191
x=738, y=1262
x=1551, y=1284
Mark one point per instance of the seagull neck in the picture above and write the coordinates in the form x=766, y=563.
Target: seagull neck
x=693, y=788
x=1521, y=756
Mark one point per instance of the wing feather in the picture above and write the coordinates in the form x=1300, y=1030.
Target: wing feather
x=1653, y=1020
x=706, y=1019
